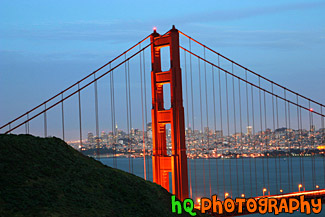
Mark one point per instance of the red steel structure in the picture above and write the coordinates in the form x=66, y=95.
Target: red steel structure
x=163, y=164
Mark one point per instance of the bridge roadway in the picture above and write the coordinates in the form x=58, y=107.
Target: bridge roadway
x=308, y=196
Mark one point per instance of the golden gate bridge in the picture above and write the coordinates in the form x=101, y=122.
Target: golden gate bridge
x=222, y=98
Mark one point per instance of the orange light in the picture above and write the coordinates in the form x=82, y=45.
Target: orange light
x=242, y=195
x=199, y=200
x=281, y=190
x=264, y=189
x=226, y=195
x=300, y=185
x=317, y=186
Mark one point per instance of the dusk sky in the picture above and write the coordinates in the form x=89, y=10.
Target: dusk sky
x=48, y=45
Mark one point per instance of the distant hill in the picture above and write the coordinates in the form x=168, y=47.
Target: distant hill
x=47, y=177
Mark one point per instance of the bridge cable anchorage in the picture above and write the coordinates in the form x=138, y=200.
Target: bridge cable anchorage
x=73, y=93
x=249, y=137
x=62, y=116
x=80, y=123
x=261, y=128
x=235, y=127
x=142, y=116
x=268, y=80
x=187, y=139
x=100, y=68
x=228, y=131
x=215, y=127
x=207, y=118
x=96, y=118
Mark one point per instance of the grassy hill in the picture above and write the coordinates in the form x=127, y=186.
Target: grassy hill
x=46, y=177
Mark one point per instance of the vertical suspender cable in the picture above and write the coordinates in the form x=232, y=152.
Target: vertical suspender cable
x=228, y=133
x=322, y=137
x=273, y=143
x=145, y=109
x=207, y=116
x=202, y=131
x=261, y=133
x=80, y=126
x=62, y=117
x=286, y=123
x=96, y=114
x=267, y=148
x=253, y=123
x=221, y=126
x=299, y=140
x=249, y=136
x=188, y=125
x=143, y=137
x=130, y=111
x=45, y=121
x=277, y=125
x=195, y=180
x=127, y=112
x=235, y=129
x=290, y=147
x=304, y=152
x=241, y=136
x=215, y=127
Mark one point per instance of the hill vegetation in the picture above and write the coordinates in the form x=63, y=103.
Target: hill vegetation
x=47, y=177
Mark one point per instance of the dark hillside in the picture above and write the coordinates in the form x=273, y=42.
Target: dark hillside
x=46, y=177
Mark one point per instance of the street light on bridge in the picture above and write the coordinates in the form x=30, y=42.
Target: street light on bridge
x=264, y=190
x=299, y=186
x=226, y=195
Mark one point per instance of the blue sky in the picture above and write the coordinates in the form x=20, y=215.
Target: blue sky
x=48, y=45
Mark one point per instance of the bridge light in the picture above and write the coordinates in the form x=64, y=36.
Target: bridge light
x=154, y=28
x=317, y=186
x=242, y=195
x=199, y=200
x=264, y=190
x=281, y=190
x=311, y=109
x=226, y=195
x=299, y=186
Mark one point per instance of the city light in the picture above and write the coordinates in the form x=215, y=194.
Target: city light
x=199, y=200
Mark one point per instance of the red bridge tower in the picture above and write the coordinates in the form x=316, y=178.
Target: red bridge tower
x=163, y=164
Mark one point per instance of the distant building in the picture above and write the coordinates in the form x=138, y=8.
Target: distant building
x=249, y=130
x=90, y=138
